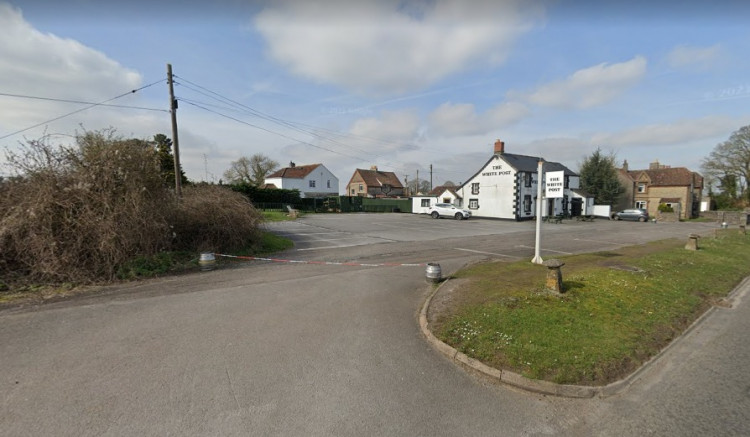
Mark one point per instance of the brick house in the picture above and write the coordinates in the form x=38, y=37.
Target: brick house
x=677, y=187
x=374, y=183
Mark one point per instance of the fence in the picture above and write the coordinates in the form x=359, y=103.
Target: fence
x=340, y=204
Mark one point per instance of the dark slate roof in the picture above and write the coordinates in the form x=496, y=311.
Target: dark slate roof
x=582, y=193
x=296, y=172
x=528, y=164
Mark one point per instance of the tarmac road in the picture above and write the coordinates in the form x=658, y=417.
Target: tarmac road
x=305, y=349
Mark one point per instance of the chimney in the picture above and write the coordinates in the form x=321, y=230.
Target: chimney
x=374, y=168
x=499, y=147
x=292, y=164
x=625, y=165
x=654, y=165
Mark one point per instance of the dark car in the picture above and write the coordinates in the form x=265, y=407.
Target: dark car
x=632, y=214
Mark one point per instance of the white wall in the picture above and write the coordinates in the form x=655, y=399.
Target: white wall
x=496, y=194
x=416, y=204
x=321, y=175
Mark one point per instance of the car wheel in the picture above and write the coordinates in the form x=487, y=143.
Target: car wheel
x=458, y=216
x=435, y=214
x=641, y=219
x=617, y=217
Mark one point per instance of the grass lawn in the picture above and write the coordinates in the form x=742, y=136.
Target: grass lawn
x=619, y=309
x=278, y=216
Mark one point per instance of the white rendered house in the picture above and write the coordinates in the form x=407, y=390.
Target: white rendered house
x=312, y=180
x=506, y=187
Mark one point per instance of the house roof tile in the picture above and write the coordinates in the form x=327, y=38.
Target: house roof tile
x=377, y=178
x=669, y=177
x=296, y=172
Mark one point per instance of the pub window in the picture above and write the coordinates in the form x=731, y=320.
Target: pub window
x=425, y=203
x=527, y=179
x=473, y=203
x=475, y=188
x=527, y=203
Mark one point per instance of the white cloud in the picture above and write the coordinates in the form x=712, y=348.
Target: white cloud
x=462, y=119
x=38, y=64
x=591, y=86
x=680, y=131
x=391, y=46
x=391, y=126
x=701, y=57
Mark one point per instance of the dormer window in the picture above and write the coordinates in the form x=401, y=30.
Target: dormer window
x=641, y=187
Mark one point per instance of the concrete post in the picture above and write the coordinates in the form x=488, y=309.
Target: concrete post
x=554, y=282
x=692, y=243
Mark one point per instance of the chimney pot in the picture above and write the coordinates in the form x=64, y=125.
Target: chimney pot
x=499, y=147
x=374, y=168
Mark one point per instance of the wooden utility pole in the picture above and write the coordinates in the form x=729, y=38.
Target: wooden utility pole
x=430, y=177
x=417, y=190
x=175, y=141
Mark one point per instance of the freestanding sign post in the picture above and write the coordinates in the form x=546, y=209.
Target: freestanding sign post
x=539, y=178
x=555, y=184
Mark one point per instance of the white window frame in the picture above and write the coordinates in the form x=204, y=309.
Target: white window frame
x=473, y=203
x=642, y=187
x=527, y=203
x=475, y=188
x=641, y=204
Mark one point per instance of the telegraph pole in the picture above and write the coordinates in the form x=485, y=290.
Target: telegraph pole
x=430, y=177
x=417, y=190
x=406, y=183
x=175, y=141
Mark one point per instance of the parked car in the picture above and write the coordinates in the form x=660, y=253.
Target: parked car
x=632, y=214
x=447, y=210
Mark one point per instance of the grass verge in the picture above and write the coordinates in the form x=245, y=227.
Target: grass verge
x=278, y=216
x=620, y=308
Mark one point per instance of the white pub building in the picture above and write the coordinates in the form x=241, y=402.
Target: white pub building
x=506, y=188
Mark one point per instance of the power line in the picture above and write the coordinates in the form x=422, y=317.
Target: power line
x=277, y=120
x=21, y=96
x=271, y=131
x=81, y=110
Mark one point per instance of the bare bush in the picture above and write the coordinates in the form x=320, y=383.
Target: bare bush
x=214, y=218
x=73, y=214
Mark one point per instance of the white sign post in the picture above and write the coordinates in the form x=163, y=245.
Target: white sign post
x=539, y=178
x=555, y=184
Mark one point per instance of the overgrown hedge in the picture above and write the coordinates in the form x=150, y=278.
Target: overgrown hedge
x=78, y=213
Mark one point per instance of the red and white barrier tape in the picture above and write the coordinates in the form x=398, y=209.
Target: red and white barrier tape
x=327, y=263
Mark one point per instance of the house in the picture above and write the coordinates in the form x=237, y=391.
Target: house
x=506, y=187
x=374, y=183
x=312, y=180
x=678, y=188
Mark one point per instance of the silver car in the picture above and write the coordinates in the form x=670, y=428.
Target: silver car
x=448, y=210
x=632, y=214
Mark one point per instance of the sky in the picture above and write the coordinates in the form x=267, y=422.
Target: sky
x=398, y=84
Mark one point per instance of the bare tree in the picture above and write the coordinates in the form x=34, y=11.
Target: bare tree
x=251, y=170
x=730, y=160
